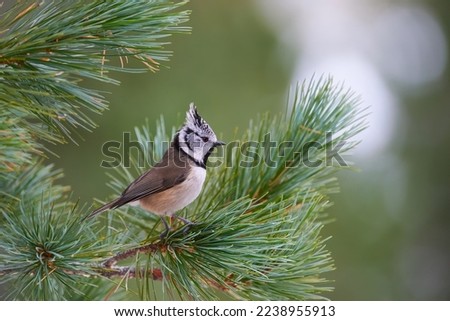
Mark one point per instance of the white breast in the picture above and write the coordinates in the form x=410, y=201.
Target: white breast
x=177, y=197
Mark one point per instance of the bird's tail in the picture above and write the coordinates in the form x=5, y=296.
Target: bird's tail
x=105, y=207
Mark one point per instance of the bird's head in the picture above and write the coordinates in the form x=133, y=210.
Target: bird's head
x=196, y=138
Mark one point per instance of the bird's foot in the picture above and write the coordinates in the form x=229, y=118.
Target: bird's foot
x=185, y=229
x=188, y=224
x=163, y=235
x=166, y=230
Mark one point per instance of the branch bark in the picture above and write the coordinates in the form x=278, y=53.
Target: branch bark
x=109, y=269
x=149, y=248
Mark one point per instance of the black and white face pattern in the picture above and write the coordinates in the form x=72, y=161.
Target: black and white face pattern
x=196, y=138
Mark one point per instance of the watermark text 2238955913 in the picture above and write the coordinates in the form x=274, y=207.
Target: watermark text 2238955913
x=236, y=153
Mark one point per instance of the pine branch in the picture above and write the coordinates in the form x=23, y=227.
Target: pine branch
x=41, y=244
x=149, y=248
x=47, y=49
x=100, y=271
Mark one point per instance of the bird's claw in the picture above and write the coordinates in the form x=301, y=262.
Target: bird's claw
x=187, y=227
x=184, y=230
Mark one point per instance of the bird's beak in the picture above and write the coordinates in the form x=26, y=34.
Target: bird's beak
x=219, y=143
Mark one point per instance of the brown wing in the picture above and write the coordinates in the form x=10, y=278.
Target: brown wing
x=162, y=176
x=155, y=180
x=170, y=171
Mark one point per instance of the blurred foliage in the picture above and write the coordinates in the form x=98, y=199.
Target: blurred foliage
x=391, y=236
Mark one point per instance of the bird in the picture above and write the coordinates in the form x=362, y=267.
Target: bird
x=177, y=179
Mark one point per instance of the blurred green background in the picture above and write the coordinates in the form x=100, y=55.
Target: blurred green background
x=391, y=230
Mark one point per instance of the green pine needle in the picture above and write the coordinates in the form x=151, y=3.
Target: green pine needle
x=20, y=186
x=17, y=148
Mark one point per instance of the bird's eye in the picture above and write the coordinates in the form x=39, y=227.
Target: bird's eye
x=205, y=139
